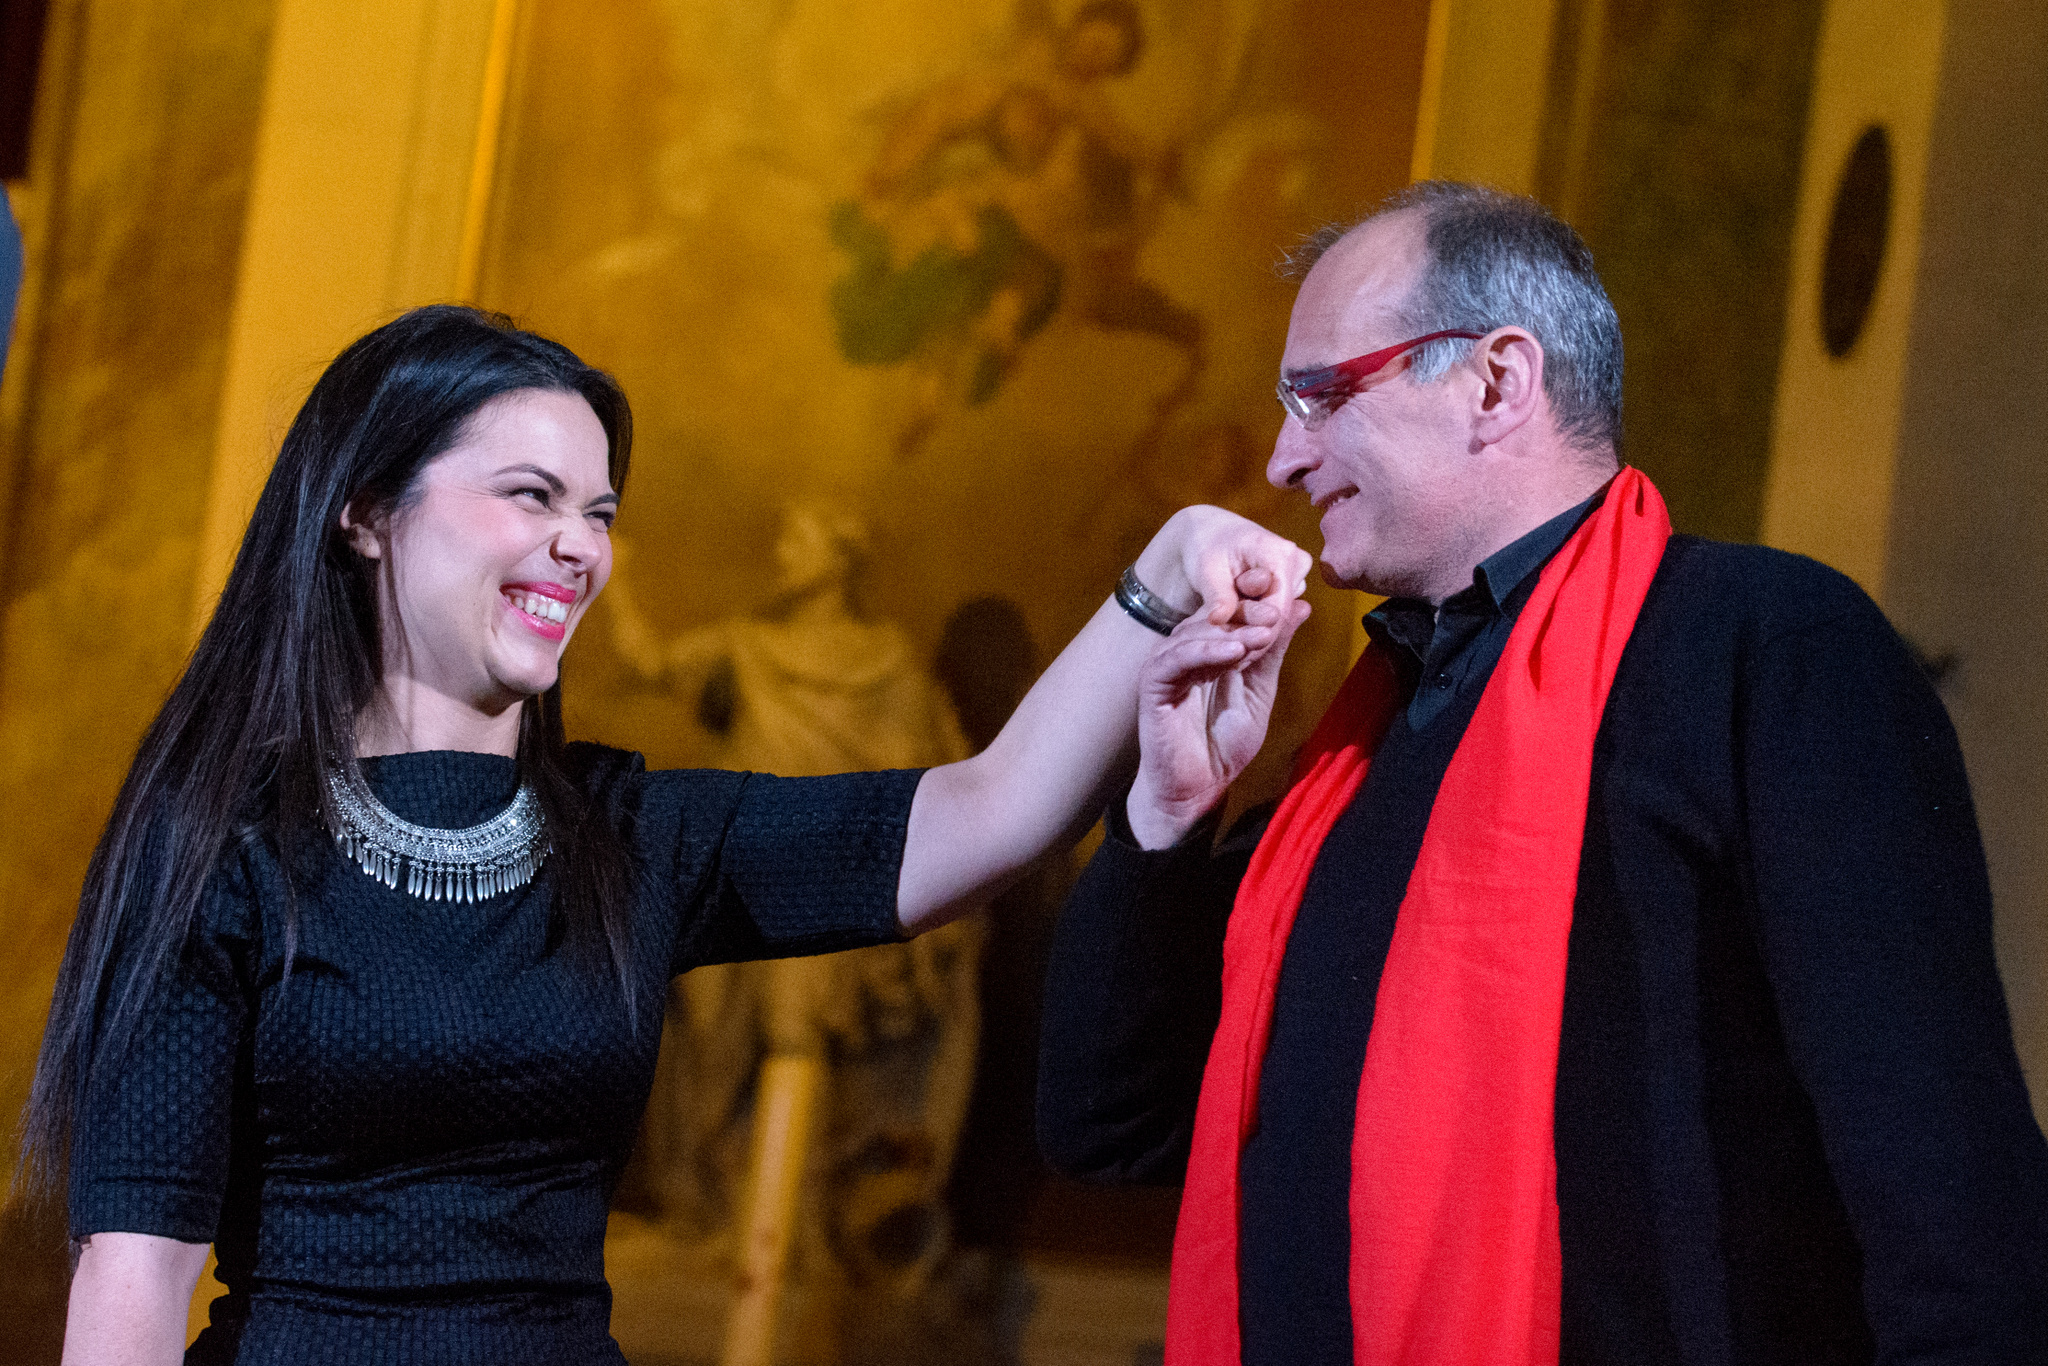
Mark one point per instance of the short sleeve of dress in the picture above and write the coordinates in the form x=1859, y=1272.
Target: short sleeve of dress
x=765, y=867
x=150, y=1142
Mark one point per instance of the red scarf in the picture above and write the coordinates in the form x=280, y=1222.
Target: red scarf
x=1454, y=1245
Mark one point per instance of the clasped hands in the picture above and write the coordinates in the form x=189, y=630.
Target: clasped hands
x=1205, y=694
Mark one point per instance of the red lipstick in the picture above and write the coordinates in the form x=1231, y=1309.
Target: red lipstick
x=559, y=592
x=542, y=608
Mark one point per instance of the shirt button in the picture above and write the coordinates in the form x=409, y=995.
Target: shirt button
x=1443, y=680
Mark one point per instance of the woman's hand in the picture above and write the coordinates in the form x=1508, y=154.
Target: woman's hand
x=1204, y=701
x=129, y=1300
x=975, y=826
x=979, y=824
x=1207, y=558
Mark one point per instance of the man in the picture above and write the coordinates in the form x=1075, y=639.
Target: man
x=1615, y=982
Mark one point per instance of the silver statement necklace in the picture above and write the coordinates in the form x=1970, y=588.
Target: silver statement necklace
x=438, y=865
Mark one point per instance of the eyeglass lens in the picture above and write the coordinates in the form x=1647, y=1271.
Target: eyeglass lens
x=1310, y=412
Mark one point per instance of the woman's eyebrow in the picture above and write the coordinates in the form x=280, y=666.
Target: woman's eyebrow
x=555, y=485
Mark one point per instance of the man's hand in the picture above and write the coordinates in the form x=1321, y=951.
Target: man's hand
x=1204, y=700
x=1212, y=561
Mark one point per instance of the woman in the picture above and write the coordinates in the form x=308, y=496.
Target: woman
x=366, y=980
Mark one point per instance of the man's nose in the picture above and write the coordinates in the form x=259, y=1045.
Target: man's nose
x=1293, y=455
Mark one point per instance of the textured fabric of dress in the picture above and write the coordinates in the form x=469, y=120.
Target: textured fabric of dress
x=404, y=1150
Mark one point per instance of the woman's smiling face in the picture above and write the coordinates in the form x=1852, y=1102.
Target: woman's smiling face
x=487, y=566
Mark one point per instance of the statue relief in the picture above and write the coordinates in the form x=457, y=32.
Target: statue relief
x=880, y=1042
x=808, y=684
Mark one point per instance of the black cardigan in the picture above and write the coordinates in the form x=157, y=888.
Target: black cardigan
x=1791, y=1126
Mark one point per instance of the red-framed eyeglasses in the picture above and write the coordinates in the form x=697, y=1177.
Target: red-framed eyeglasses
x=1306, y=396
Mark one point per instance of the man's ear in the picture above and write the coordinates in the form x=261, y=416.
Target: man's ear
x=1509, y=365
x=364, y=534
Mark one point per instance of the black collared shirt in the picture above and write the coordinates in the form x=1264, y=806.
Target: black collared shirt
x=1442, y=653
x=1296, y=1172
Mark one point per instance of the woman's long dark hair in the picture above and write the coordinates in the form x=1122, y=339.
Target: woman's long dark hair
x=269, y=701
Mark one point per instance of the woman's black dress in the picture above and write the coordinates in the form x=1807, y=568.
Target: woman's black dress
x=404, y=1153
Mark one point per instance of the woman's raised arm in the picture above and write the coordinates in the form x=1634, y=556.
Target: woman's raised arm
x=1042, y=781
x=129, y=1300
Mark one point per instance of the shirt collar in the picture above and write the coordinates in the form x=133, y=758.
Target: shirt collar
x=1411, y=621
x=1505, y=570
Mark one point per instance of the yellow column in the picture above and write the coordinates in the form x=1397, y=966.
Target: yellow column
x=372, y=172
x=1834, y=437
x=784, y=1120
x=1485, y=74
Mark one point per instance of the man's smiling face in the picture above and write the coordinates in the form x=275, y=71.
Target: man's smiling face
x=1388, y=467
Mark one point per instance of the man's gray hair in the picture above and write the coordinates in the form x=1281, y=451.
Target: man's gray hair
x=1500, y=260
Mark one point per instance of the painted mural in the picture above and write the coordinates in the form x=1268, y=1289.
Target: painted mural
x=994, y=274
x=993, y=281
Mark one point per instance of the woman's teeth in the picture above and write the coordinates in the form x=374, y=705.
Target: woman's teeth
x=534, y=605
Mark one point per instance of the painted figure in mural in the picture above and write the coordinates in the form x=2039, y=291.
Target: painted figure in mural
x=999, y=199
x=812, y=684
x=1622, y=953
x=370, y=965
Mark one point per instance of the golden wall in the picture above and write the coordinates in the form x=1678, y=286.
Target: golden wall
x=1968, y=520
x=132, y=213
